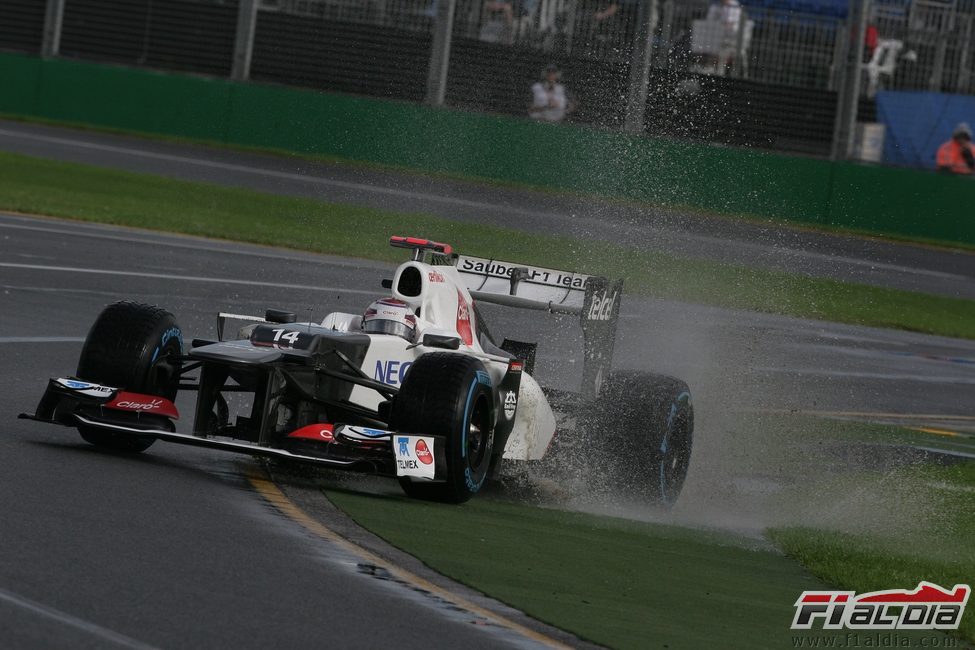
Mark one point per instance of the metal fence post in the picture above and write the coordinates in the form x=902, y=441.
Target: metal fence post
x=440, y=52
x=666, y=34
x=936, y=80
x=848, y=100
x=964, y=74
x=636, y=99
x=53, y=19
x=244, y=40
x=740, y=68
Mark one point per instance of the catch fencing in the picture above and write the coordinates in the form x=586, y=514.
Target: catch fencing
x=766, y=75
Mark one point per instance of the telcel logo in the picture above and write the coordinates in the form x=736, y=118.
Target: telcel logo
x=602, y=306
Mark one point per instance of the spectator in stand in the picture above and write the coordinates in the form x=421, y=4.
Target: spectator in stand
x=550, y=103
x=728, y=15
x=610, y=23
x=606, y=12
x=508, y=11
x=957, y=156
x=726, y=12
x=871, y=36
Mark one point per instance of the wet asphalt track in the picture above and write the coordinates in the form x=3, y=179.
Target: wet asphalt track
x=173, y=548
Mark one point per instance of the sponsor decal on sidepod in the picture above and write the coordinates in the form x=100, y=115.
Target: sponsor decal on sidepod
x=392, y=372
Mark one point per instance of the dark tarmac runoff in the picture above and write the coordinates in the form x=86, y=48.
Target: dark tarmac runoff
x=873, y=262
x=172, y=548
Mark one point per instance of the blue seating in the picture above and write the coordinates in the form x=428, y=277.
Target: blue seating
x=831, y=8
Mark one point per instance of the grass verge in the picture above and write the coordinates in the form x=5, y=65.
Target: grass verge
x=39, y=186
x=628, y=584
x=618, y=583
x=941, y=552
x=400, y=169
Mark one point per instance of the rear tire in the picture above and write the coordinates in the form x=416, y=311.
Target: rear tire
x=642, y=427
x=137, y=348
x=449, y=395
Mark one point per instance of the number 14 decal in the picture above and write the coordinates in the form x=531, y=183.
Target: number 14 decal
x=285, y=335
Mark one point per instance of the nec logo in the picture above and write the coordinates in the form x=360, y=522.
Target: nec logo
x=602, y=306
x=392, y=372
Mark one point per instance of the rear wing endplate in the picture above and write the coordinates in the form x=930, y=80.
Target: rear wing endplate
x=594, y=299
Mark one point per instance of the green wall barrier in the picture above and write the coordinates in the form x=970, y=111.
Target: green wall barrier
x=901, y=202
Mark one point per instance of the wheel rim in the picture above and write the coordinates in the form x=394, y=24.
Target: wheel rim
x=477, y=428
x=163, y=375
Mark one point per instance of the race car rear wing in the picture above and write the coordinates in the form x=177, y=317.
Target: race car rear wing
x=595, y=299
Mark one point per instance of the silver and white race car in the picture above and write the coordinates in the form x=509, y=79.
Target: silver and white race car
x=416, y=388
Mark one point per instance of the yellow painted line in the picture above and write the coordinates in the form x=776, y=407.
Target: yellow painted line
x=938, y=432
x=276, y=497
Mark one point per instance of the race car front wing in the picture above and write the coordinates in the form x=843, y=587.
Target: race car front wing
x=73, y=402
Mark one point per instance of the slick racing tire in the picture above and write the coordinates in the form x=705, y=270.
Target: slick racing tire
x=135, y=347
x=449, y=395
x=644, y=427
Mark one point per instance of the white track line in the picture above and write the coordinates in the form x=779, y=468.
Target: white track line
x=182, y=278
x=73, y=621
x=260, y=171
x=176, y=240
x=41, y=339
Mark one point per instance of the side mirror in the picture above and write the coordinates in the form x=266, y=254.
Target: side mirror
x=441, y=341
x=279, y=316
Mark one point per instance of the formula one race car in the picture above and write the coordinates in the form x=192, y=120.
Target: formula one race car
x=415, y=388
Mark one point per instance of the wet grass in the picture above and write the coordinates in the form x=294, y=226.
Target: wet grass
x=38, y=186
x=942, y=551
x=865, y=526
x=617, y=583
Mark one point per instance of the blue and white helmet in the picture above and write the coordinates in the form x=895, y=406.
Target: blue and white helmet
x=390, y=316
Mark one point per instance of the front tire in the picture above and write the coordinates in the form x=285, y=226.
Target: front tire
x=137, y=348
x=449, y=395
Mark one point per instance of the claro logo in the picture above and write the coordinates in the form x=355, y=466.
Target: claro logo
x=140, y=406
x=602, y=306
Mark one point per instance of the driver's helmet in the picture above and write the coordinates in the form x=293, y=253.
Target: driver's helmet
x=390, y=316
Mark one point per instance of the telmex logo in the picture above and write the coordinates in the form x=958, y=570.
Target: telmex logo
x=929, y=607
x=602, y=306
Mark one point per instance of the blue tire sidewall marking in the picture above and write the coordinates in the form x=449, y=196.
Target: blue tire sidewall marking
x=166, y=337
x=467, y=415
x=683, y=397
x=471, y=485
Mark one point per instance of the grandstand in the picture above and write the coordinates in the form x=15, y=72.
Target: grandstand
x=778, y=89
